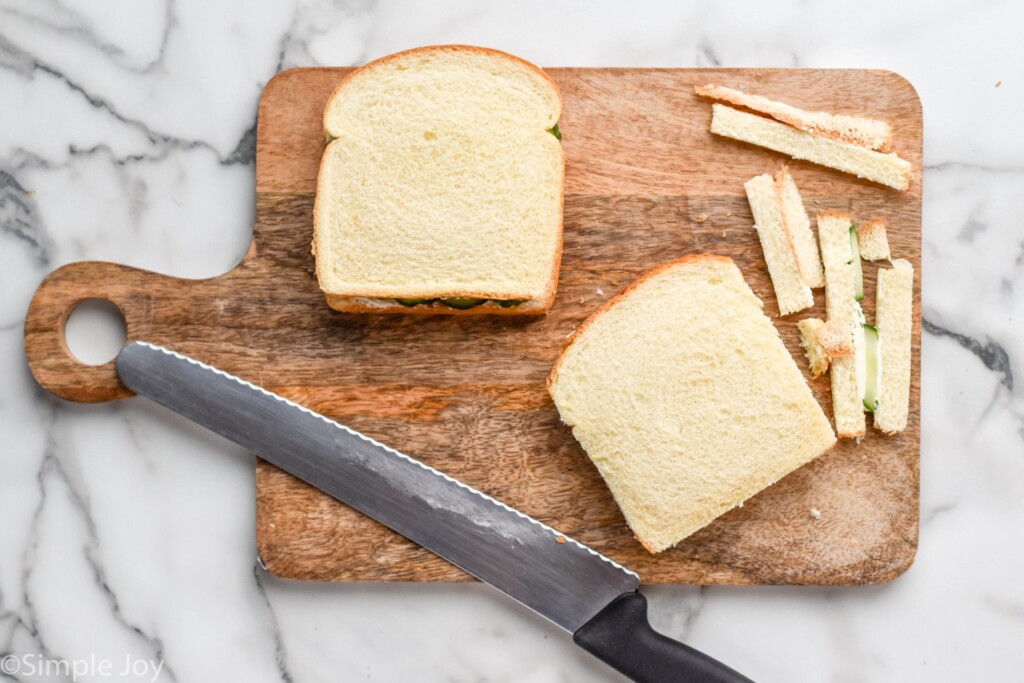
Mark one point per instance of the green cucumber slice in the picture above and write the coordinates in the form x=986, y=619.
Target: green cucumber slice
x=509, y=303
x=554, y=131
x=462, y=303
x=412, y=302
x=858, y=270
x=873, y=367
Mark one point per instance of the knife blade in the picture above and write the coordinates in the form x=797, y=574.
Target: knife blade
x=574, y=586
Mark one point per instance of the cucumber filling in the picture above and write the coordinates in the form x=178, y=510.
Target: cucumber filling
x=858, y=270
x=460, y=303
x=554, y=131
x=873, y=368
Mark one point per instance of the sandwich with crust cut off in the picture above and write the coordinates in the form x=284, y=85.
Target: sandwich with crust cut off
x=685, y=398
x=440, y=189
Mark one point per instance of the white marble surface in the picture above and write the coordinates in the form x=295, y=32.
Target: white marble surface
x=126, y=135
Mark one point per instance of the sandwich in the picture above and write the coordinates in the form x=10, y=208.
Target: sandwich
x=683, y=395
x=440, y=189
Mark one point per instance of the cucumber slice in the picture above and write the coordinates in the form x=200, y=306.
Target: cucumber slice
x=462, y=303
x=859, y=350
x=509, y=303
x=873, y=367
x=412, y=302
x=858, y=271
x=554, y=131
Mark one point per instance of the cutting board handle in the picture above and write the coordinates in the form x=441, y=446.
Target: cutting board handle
x=53, y=365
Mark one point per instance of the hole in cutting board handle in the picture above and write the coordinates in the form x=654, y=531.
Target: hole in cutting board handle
x=95, y=331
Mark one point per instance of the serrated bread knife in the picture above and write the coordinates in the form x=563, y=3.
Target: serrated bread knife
x=584, y=592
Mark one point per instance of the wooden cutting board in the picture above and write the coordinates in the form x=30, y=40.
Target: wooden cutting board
x=645, y=183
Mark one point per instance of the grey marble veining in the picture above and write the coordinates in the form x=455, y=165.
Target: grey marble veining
x=127, y=135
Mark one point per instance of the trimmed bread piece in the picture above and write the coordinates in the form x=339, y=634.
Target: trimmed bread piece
x=442, y=180
x=847, y=401
x=685, y=398
x=834, y=339
x=894, y=321
x=798, y=229
x=791, y=291
x=887, y=169
x=817, y=359
x=855, y=130
x=840, y=285
x=872, y=240
x=843, y=323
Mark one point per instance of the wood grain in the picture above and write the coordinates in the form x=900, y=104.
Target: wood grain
x=645, y=183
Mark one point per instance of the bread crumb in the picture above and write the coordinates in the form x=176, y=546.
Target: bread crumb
x=571, y=332
x=728, y=213
x=599, y=291
x=815, y=513
x=582, y=300
x=723, y=233
x=560, y=539
x=702, y=217
x=998, y=83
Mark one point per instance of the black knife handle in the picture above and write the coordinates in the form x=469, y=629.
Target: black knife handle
x=621, y=637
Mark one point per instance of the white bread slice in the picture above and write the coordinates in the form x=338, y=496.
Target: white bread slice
x=855, y=130
x=817, y=359
x=894, y=321
x=798, y=229
x=685, y=398
x=840, y=304
x=791, y=291
x=872, y=241
x=441, y=180
x=887, y=169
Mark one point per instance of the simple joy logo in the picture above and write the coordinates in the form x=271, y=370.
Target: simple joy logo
x=33, y=665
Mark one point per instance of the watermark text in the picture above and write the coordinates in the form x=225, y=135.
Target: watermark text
x=30, y=665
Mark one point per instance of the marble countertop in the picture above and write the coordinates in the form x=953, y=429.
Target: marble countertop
x=127, y=135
